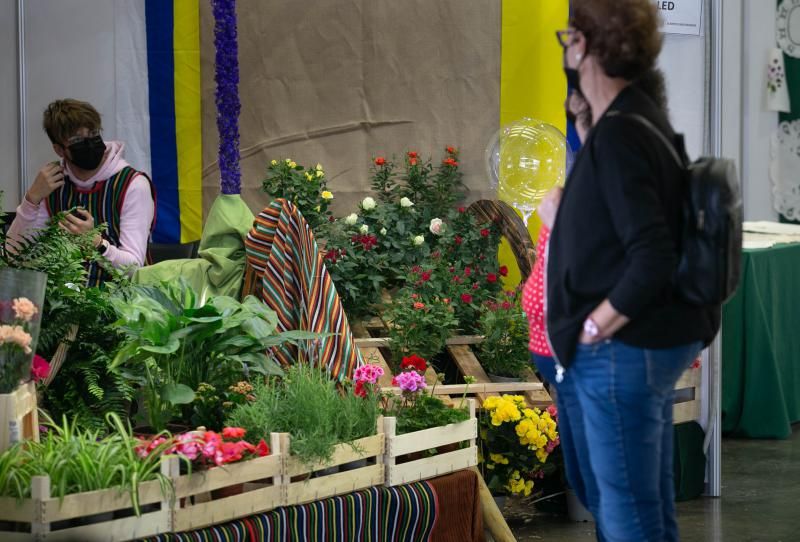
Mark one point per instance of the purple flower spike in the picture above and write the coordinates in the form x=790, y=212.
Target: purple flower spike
x=227, y=95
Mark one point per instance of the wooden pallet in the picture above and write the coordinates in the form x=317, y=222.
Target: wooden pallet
x=436, y=439
x=460, y=350
x=42, y=511
x=19, y=417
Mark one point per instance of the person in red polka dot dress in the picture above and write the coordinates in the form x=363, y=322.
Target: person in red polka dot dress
x=571, y=432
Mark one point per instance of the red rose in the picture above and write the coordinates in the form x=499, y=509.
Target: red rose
x=451, y=150
x=506, y=305
x=426, y=276
x=414, y=362
x=503, y=271
x=450, y=162
x=233, y=432
x=484, y=232
x=262, y=448
x=475, y=286
x=466, y=298
x=380, y=161
x=414, y=296
x=412, y=162
x=462, y=210
x=491, y=277
x=459, y=239
x=332, y=255
x=416, y=269
x=452, y=269
x=419, y=305
x=467, y=271
x=413, y=155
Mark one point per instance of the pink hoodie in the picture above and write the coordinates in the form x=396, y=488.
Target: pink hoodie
x=135, y=218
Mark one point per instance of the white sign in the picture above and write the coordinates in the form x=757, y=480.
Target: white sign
x=681, y=16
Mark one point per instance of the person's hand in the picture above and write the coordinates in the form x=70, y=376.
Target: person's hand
x=548, y=208
x=77, y=225
x=49, y=178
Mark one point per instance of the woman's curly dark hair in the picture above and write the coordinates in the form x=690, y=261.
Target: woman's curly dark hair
x=623, y=35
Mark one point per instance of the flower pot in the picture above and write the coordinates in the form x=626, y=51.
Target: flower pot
x=575, y=510
x=498, y=378
x=21, y=306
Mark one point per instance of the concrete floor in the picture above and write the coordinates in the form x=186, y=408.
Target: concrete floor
x=760, y=500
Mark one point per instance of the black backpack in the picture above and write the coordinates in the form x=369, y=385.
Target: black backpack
x=710, y=259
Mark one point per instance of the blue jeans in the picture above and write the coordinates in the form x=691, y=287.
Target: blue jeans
x=572, y=434
x=625, y=395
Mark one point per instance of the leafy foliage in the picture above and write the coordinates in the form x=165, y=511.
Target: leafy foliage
x=504, y=349
x=307, y=404
x=306, y=188
x=174, y=342
x=425, y=412
x=78, y=461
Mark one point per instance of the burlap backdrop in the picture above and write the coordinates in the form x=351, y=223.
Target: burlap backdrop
x=341, y=81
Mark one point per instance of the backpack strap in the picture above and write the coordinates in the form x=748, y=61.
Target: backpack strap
x=644, y=121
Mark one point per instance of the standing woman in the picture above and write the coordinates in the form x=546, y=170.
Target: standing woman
x=614, y=322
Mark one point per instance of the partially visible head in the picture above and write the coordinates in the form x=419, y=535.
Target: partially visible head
x=64, y=119
x=622, y=36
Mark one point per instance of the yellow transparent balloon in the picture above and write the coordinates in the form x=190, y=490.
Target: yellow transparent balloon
x=526, y=159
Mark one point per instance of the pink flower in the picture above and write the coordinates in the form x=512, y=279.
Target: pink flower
x=233, y=432
x=368, y=373
x=262, y=448
x=15, y=335
x=40, y=369
x=409, y=381
x=553, y=411
x=24, y=309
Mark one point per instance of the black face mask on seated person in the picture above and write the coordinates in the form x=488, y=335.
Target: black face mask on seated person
x=88, y=153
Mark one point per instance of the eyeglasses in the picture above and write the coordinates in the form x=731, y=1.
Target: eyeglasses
x=80, y=139
x=565, y=38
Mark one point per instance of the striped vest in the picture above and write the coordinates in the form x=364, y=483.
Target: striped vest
x=104, y=201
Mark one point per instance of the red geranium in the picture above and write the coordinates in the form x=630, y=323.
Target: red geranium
x=233, y=432
x=40, y=369
x=414, y=362
x=491, y=277
x=380, y=161
x=503, y=271
x=466, y=298
x=484, y=232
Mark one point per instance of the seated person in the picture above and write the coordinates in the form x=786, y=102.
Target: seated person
x=93, y=176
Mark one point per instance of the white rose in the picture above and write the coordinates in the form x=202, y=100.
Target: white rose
x=368, y=204
x=364, y=229
x=437, y=226
x=418, y=240
x=383, y=231
x=405, y=202
x=351, y=219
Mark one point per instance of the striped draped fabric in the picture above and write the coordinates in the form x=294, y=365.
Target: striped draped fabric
x=286, y=270
x=405, y=513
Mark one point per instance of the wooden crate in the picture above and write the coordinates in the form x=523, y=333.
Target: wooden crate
x=306, y=483
x=399, y=447
x=687, y=396
x=19, y=417
x=222, y=494
x=37, y=516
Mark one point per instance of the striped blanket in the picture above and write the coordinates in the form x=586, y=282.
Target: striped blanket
x=286, y=270
x=405, y=513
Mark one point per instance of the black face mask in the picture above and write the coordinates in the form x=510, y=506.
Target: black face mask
x=88, y=153
x=573, y=77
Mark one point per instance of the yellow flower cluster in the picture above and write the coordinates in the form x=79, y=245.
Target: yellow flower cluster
x=504, y=409
x=517, y=484
x=536, y=430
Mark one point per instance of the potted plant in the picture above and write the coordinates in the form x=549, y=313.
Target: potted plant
x=310, y=406
x=419, y=325
x=503, y=353
x=516, y=442
x=21, y=300
x=174, y=342
x=306, y=188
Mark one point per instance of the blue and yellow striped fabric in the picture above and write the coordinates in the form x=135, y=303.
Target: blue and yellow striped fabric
x=173, y=65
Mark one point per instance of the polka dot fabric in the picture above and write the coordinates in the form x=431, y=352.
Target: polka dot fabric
x=533, y=298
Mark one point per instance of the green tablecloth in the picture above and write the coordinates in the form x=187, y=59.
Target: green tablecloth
x=761, y=346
